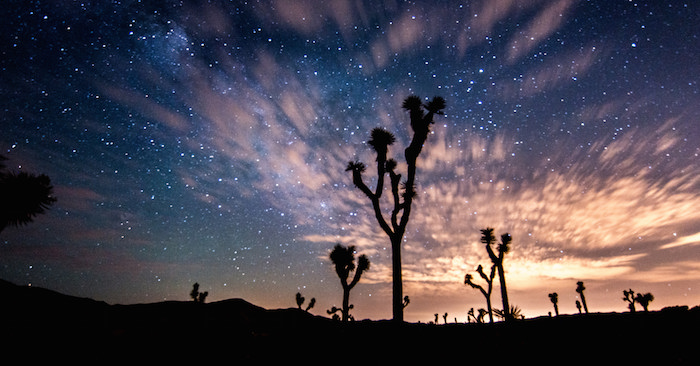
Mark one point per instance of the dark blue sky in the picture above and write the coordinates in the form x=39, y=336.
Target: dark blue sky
x=207, y=143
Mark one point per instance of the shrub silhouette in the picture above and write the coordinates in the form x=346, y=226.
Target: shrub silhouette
x=513, y=313
x=344, y=260
x=402, y=197
x=486, y=292
x=23, y=196
x=504, y=247
x=300, y=301
x=580, y=288
x=578, y=306
x=554, y=298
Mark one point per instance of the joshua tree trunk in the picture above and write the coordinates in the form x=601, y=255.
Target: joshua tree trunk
x=346, y=303
x=397, y=280
x=504, y=292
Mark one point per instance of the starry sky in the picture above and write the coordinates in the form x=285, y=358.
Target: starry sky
x=206, y=142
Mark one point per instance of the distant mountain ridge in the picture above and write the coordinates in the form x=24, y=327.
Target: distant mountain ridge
x=47, y=324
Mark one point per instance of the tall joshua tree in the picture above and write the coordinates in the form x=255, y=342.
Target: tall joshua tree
x=504, y=247
x=554, y=298
x=486, y=292
x=402, y=198
x=580, y=289
x=344, y=260
x=23, y=196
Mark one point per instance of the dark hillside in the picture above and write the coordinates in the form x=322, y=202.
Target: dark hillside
x=45, y=325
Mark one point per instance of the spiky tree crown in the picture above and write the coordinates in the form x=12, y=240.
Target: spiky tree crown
x=381, y=139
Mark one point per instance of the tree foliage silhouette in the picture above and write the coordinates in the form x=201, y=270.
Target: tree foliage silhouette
x=504, y=247
x=554, y=298
x=468, y=280
x=23, y=196
x=403, y=193
x=344, y=260
x=580, y=288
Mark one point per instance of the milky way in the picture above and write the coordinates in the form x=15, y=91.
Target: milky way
x=208, y=142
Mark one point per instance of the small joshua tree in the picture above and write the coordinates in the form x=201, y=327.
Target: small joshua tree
x=644, y=300
x=486, y=292
x=580, y=289
x=197, y=296
x=554, y=298
x=344, y=260
x=629, y=297
x=300, y=301
x=578, y=306
x=504, y=247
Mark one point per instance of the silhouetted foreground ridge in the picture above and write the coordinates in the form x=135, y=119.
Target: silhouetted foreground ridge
x=45, y=325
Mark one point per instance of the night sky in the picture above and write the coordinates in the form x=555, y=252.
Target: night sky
x=207, y=142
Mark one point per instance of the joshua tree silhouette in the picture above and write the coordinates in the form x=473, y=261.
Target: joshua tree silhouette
x=554, y=298
x=629, y=297
x=344, y=260
x=477, y=319
x=580, y=289
x=578, y=306
x=396, y=227
x=644, y=300
x=488, y=239
x=23, y=196
x=300, y=301
x=197, y=296
x=486, y=292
